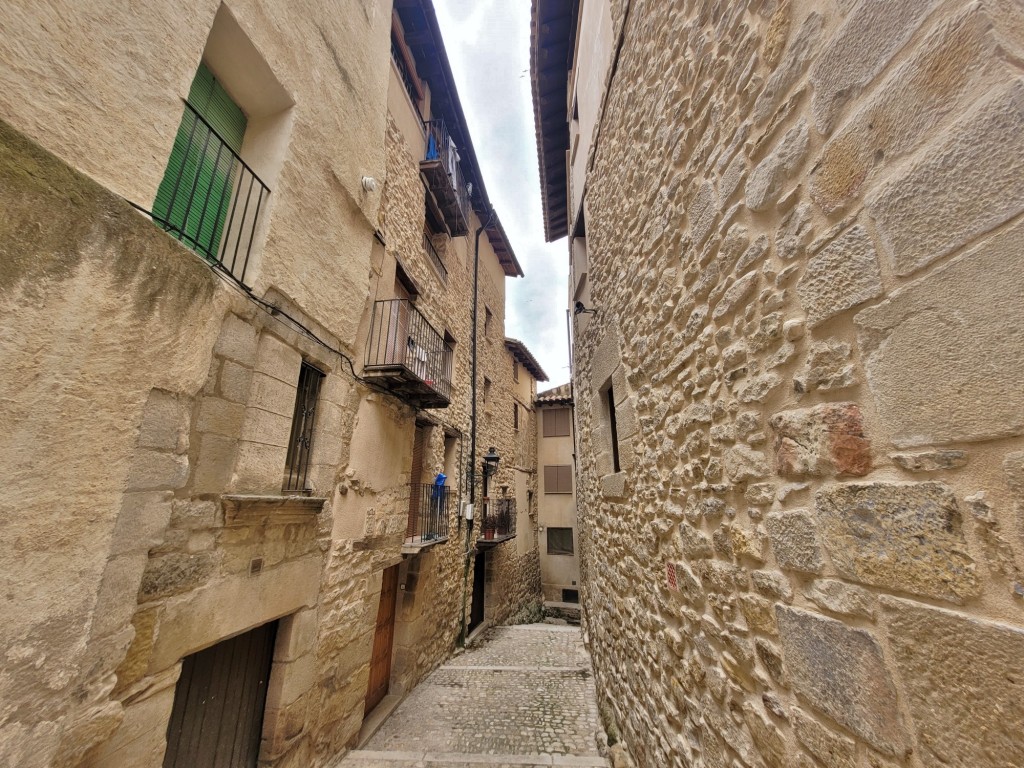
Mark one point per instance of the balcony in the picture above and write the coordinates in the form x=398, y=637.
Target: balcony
x=443, y=174
x=429, y=508
x=405, y=355
x=498, y=522
x=209, y=198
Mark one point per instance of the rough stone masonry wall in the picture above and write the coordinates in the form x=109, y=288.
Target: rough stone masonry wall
x=814, y=554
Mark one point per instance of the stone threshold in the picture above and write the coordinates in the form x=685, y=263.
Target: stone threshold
x=446, y=758
x=373, y=721
x=458, y=667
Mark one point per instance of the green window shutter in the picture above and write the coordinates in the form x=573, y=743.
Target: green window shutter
x=195, y=195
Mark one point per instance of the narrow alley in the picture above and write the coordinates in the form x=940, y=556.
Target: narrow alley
x=524, y=696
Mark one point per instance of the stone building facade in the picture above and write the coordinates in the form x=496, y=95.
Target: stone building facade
x=798, y=225
x=556, y=467
x=219, y=467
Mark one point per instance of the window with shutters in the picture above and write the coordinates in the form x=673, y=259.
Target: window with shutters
x=560, y=541
x=209, y=198
x=557, y=422
x=558, y=478
x=515, y=416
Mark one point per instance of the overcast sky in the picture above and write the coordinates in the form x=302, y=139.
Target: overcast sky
x=488, y=45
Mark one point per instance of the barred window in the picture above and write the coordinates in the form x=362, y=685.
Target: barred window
x=560, y=541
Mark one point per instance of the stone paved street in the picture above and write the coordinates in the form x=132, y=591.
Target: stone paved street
x=524, y=696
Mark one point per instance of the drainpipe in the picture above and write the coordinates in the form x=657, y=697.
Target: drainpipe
x=472, y=436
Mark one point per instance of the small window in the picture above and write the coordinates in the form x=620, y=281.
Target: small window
x=487, y=389
x=557, y=422
x=515, y=416
x=488, y=318
x=570, y=595
x=515, y=370
x=300, y=444
x=558, y=478
x=560, y=541
x=614, y=431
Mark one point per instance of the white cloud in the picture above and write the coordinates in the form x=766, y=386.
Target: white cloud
x=488, y=46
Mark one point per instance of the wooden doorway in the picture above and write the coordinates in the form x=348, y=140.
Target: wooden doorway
x=476, y=613
x=383, y=638
x=217, y=718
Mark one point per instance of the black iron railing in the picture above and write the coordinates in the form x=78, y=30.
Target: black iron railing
x=441, y=148
x=499, y=519
x=300, y=444
x=428, y=512
x=210, y=199
x=428, y=246
x=400, y=337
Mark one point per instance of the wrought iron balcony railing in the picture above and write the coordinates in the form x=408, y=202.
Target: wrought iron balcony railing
x=498, y=522
x=210, y=199
x=406, y=355
x=435, y=258
x=443, y=173
x=429, y=507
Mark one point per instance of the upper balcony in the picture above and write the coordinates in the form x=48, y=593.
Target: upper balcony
x=406, y=355
x=443, y=174
x=498, y=522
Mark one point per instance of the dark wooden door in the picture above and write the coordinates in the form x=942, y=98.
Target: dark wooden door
x=217, y=718
x=383, y=638
x=476, y=613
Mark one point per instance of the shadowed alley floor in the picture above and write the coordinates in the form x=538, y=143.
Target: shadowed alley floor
x=523, y=696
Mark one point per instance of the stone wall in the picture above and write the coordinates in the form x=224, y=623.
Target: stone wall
x=813, y=552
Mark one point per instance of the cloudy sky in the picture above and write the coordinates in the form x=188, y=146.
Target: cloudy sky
x=488, y=44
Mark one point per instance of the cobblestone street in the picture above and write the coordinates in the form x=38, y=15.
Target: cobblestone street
x=524, y=696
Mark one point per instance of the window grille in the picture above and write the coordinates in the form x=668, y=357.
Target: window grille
x=300, y=444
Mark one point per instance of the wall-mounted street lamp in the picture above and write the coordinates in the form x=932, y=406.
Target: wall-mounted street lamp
x=579, y=308
x=490, y=467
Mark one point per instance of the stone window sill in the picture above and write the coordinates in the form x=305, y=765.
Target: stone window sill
x=246, y=509
x=414, y=547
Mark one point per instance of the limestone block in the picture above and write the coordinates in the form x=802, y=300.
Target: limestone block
x=1013, y=469
x=174, y=573
x=141, y=522
x=792, y=66
x=842, y=275
x=278, y=360
x=165, y=420
x=930, y=461
x=903, y=536
x=864, y=44
x=119, y=588
x=840, y=671
x=827, y=367
x=759, y=388
x=962, y=189
x=237, y=340
x=840, y=597
x=946, y=73
x=695, y=544
x=976, y=664
x=155, y=470
x=771, y=659
x=703, y=211
x=613, y=486
x=764, y=186
x=271, y=394
x=931, y=370
x=767, y=736
x=772, y=584
x=142, y=737
x=821, y=441
x=214, y=464
x=220, y=417
x=759, y=614
x=794, y=540
x=833, y=749
x=736, y=293
x=742, y=463
x=235, y=381
x=760, y=494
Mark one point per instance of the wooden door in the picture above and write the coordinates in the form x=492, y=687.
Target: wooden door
x=217, y=717
x=476, y=613
x=383, y=637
